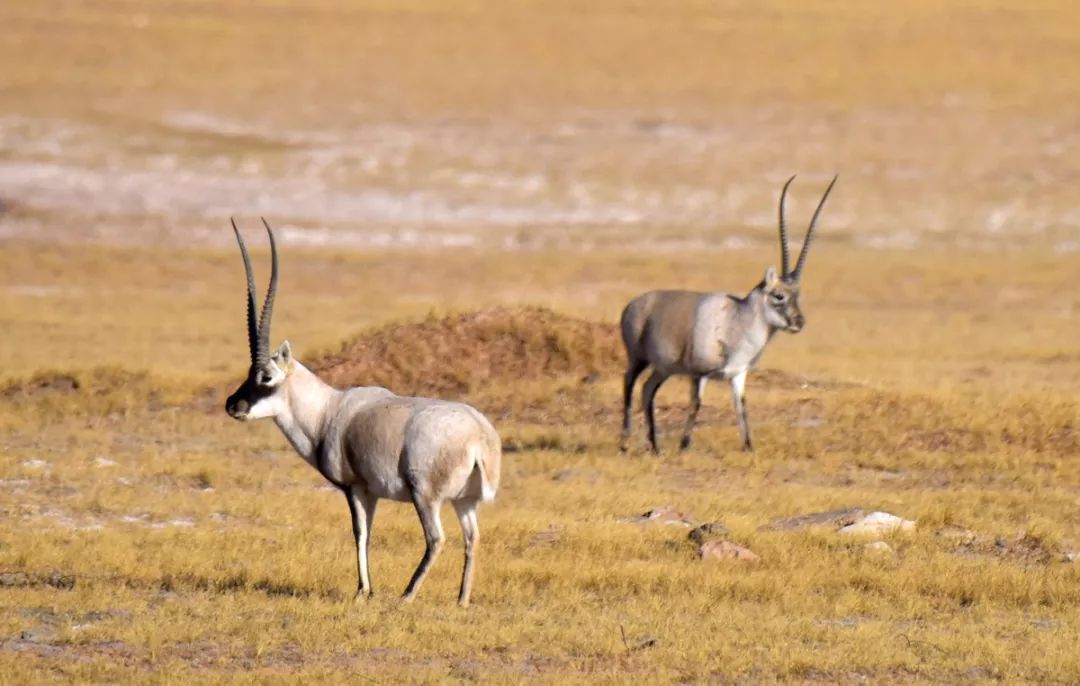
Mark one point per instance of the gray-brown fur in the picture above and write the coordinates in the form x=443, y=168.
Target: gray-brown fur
x=373, y=444
x=709, y=336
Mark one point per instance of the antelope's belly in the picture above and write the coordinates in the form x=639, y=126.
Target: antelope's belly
x=387, y=486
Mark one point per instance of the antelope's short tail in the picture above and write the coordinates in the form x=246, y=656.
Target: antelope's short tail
x=487, y=463
x=485, y=452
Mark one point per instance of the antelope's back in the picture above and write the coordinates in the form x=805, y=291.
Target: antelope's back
x=658, y=326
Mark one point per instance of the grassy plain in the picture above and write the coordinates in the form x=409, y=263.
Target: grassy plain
x=146, y=537
x=201, y=548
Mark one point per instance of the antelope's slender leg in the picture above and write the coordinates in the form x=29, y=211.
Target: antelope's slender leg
x=433, y=536
x=470, y=529
x=362, y=509
x=633, y=371
x=738, y=384
x=648, y=394
x=697, y=389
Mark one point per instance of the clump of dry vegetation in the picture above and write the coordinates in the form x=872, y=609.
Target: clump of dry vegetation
x=451, y=356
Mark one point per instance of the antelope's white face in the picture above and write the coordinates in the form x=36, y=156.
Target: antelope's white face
x=782, y=309
x=263, y=392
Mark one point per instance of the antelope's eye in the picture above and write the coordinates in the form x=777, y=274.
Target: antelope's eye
x=262, y=378
x=778, y=297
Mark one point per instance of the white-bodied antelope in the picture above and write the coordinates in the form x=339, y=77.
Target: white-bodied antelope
x=370, y=443
x=710, y=335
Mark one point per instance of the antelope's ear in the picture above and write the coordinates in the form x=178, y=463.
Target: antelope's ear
x=283, y=356
x=770, y=277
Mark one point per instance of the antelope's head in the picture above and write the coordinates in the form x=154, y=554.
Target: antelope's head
x=262, y=393
x=781, y=291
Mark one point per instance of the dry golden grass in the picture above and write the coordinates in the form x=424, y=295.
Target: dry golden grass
x=144, y=536
x=200, y=548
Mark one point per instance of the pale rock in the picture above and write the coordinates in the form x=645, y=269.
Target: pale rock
x=708, y=530
x=726, y=550
x=661, y=515
x=878, y=524
x=833, y=519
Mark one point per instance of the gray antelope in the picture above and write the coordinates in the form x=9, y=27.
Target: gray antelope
x=371, y=443
x=710, y=335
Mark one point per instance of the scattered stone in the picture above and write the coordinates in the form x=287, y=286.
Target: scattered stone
x=878, y=547
x=40, y=634
x=832, y=518
x=1029, y=549
x=35, y=464
x=808, y=423
x=1024, y=548
x=708, y=530
x=1045, y=623
x=1072, y=556
x=12, y=579
x=639, y=643
x=726, y=550
x=646, y=642
x=61, y=581
x=95, y=616
x=576, y=474
x=878, y=524
x=22, y=579
x=662, y=515
x=548, y=536
x=181, y=521
x=104, y=462
x=840, y=622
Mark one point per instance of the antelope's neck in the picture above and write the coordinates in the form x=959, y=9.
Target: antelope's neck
x=307, y=407
x=755, y=327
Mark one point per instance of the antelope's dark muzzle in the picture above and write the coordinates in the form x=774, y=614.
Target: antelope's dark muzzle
x=237, y=408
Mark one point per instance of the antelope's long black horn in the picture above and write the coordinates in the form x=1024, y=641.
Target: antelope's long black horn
x=810, y=231
x=785, y=261
x=253, y=331
x=268, y=304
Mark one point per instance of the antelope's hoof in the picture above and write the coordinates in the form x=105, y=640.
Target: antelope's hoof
x=684, y=443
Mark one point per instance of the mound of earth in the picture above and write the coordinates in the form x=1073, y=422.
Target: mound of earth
x=454, y=355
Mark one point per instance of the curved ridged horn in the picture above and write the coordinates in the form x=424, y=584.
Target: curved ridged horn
x=810, y=232
x=785, y=261
x=268, y=304
x=253, y=330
